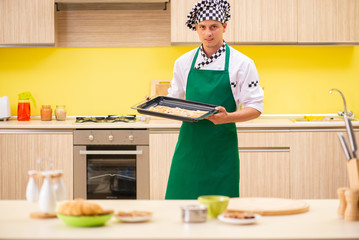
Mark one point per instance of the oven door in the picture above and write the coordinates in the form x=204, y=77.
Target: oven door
x=111, y=172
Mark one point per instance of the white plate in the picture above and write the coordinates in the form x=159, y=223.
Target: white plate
x=134, y=219
x=238, y=220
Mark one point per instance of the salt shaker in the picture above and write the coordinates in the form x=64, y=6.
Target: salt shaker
x=32, y=191
x=59, y=186
x=47, y=201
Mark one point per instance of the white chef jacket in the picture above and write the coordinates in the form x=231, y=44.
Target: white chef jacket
x=243, y=77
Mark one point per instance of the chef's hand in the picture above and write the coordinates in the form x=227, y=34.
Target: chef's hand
x=219, y=118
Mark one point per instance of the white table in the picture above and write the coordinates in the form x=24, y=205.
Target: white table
x=321, y=222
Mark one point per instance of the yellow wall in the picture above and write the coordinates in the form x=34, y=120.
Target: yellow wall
x=101, y=81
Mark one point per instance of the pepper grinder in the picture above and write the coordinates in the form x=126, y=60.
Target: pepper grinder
x=342, y=202
x=351, y=211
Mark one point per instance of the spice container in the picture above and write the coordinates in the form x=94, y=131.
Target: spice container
x=194, y=213
x=46, y=113
x=60, y=112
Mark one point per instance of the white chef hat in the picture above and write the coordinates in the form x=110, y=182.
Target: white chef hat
x=218, y=10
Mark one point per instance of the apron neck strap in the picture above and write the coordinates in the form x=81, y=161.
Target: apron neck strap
x=225, y=65
x=227, y=58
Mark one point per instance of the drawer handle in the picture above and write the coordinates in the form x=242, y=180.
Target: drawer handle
x=84, y=152
x=264, y=149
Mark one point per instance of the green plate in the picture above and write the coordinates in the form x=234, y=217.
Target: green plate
x=85, y=221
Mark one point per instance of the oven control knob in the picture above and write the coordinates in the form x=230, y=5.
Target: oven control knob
x=110, y=138
x=131, y=138
x=91, y=137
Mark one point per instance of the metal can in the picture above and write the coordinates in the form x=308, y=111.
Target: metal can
x=194, y=213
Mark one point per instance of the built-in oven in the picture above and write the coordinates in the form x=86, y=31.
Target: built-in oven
x=111, y=164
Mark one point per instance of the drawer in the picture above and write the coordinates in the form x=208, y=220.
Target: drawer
x=263, y=139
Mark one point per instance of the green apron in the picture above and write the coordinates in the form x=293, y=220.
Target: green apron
x=206, y=160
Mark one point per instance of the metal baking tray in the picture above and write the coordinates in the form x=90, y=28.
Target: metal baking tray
x=143, y=108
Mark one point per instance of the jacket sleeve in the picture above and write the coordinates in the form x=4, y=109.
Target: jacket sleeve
x=250, y=93
x=177, y=89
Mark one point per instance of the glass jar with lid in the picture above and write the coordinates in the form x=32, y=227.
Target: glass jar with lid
x=60, y=112
x=46, y=113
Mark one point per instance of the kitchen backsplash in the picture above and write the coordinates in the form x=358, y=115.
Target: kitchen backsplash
x=101, y=81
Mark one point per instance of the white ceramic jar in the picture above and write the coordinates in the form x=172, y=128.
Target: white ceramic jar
x=59, y=186
x=32, y=191
x=47, y=201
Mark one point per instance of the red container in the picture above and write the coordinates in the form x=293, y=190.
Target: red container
x=23, y=110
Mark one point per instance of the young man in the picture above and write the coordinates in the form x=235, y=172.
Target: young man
x=206, y=160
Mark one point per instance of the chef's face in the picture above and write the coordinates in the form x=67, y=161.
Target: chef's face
x=210, y=33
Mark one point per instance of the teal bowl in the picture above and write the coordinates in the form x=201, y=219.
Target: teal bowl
x=85, y=221
x=216, y=204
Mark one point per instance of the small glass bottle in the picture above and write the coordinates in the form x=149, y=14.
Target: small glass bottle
x=46, y=113
x=60, y=112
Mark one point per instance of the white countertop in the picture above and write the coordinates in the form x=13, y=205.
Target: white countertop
x=261, y=122
x=321, y=222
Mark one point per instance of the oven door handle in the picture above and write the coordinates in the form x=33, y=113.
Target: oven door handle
x=136, y=152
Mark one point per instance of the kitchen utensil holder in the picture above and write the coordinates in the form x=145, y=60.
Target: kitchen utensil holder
x=353, y=173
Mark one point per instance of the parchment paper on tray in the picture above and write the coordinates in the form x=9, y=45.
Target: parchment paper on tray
x=175, y=108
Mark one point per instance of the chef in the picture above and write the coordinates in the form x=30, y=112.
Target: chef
x=206, y=160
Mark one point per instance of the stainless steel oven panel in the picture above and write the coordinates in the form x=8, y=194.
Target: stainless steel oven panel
x=111, y=137
x=142, y=170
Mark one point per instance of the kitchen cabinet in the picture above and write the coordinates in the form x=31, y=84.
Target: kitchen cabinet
x=328, y=21
x=113, y=23
x=265, y=21
x=181, y=34
x=19, y=152
x=264, y=163
x=257, y=22
x=318, y=164
x=25, y=22
x=162, y=148
x=252, y=21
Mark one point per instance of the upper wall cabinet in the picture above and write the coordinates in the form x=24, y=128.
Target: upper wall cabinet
x=269, y=21
x=27, y=22
x=180, y=33
x=328, y=21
